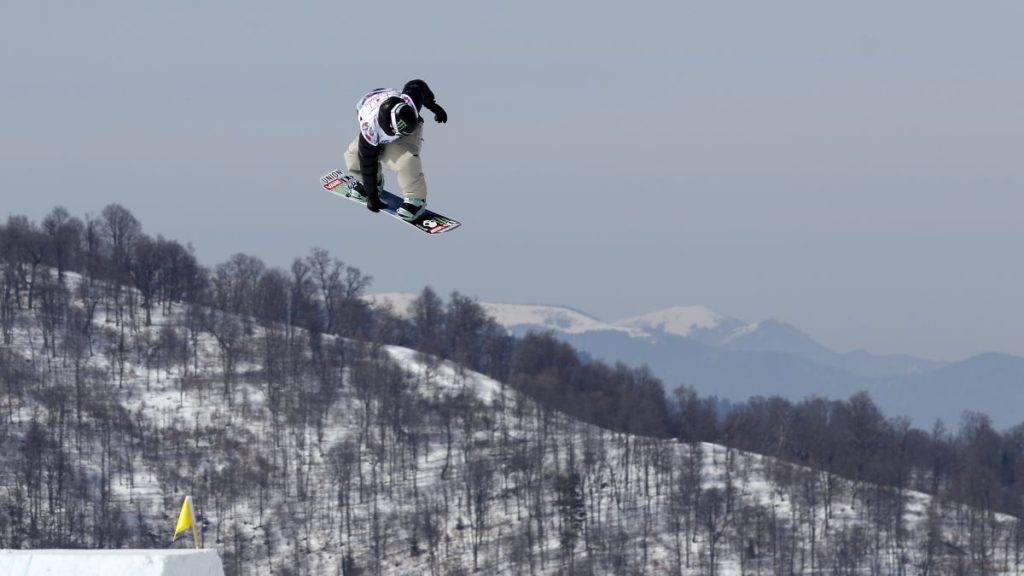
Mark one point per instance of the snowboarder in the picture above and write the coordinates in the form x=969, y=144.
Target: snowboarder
x=391, y=134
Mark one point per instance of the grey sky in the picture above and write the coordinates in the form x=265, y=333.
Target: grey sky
x=852, y=168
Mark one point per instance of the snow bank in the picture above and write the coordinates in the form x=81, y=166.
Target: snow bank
x=110, y=563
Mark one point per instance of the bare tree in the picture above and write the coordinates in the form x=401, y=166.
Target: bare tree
x=572, y=513
x=145, y=265
x=234, y=284
x=25, y=246
x=715, y=519
x=120, y=228
x=64, y=234
x=428, y=317
x=227, y=329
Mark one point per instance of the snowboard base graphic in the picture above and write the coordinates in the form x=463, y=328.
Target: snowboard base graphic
x=337, y=182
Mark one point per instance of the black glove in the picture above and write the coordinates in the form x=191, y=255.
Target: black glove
x=440, y=116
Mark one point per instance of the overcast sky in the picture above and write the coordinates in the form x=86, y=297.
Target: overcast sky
x=851, y=168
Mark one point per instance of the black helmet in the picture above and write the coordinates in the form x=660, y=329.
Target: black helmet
x=398, y=116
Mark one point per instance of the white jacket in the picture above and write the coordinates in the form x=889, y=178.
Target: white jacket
x=369, y=107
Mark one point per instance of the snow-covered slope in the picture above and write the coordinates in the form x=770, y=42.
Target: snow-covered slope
x=323, y=456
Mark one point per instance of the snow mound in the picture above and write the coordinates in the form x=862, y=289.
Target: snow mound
x=110, y=562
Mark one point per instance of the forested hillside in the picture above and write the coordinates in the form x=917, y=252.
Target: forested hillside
x=319, y=435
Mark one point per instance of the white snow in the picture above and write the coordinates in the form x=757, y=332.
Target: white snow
x=554, y=317
x=399, y=301
x=110, y=563
x=512, y=316
x=742, y=331
x=446, y=378
x=678, y=320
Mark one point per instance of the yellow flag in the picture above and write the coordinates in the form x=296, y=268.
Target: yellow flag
x=184, y=518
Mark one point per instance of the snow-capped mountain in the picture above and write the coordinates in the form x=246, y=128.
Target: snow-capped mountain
x=556, y=318
x=672, y=326
x=697, y=322
x=735, y=360
x=522, y=318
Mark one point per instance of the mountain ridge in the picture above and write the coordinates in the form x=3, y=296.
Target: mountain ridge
x=734, y=360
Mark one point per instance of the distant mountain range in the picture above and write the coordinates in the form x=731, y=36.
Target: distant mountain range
x=734, y=360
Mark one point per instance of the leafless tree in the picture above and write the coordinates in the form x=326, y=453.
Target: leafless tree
x=145, y=265
x=120, y=228
x=64, y=240
x=25, y=247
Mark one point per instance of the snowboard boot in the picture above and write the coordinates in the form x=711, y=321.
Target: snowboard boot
x=411, y=208
x=356, y=191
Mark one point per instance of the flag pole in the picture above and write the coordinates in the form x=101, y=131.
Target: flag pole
x=196, y=532
x=195, y=527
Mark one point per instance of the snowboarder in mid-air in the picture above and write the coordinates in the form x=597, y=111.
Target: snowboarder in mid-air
x=391, y=134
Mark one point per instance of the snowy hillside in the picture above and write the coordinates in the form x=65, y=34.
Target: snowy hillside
x=311, y=454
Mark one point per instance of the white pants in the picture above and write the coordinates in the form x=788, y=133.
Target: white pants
x=402, y=157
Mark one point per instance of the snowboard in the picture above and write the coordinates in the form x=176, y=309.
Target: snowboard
x=338, y=182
